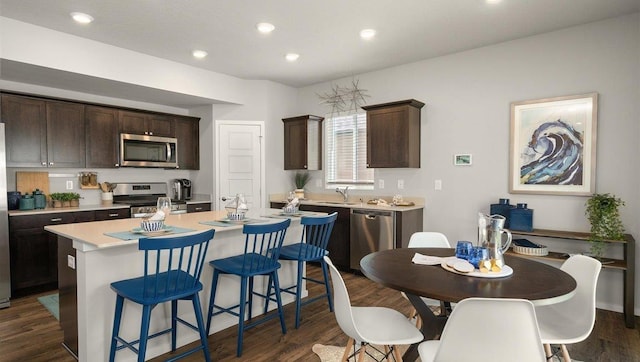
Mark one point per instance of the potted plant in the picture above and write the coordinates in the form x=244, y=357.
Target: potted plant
x=604, y=216
x=74, y=199
x=56, y=199
x=66, y=199
x=301, y=178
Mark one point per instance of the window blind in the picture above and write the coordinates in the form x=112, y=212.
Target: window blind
x=346, y=145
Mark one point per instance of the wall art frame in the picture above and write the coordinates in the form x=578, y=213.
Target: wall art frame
x=462, y=159
x=553, y=145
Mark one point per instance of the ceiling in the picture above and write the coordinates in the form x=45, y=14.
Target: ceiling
x=325, y=33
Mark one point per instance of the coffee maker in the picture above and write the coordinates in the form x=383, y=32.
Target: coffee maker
x=181, y=189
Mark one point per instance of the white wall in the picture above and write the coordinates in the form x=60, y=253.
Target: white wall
x=468, y=98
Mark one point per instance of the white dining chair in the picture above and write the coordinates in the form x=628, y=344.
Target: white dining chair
x=571, y=321
x=428, y=239
x=369, y=325
x=487, y=329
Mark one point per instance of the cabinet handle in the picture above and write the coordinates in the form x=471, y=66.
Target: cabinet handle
x=113, y=215
x=56, y=219
x=50, y=163
x=117, y=165
x=44, y=164
x=305, y=166
x=150, y=133
x=198, y=209
x=145, y=132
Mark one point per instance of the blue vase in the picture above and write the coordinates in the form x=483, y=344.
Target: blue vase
x=502, y=208
x=521, y=218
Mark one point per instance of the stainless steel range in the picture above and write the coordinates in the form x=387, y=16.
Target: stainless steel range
x=142, y=197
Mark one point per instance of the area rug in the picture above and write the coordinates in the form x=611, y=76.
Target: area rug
x=334, y=353
x=52, y=304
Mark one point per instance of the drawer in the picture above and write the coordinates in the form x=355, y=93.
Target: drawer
x=112, y=214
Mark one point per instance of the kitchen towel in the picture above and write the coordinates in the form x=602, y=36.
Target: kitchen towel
x=428, y=259
x=131, y=235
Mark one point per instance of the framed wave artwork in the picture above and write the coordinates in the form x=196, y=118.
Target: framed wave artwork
x=553, y=145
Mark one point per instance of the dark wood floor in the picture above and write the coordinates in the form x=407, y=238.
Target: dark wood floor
x=29, y=333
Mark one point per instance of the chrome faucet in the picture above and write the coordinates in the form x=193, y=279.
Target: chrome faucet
x=344, y=193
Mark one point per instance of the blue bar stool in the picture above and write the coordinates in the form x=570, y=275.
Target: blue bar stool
x=261, y=252
x=172, y=272
x=312, y=247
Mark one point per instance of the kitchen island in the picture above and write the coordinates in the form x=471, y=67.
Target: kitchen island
x=101, y=259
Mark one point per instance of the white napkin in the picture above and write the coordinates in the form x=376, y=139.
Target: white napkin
x=159, y=215
x=294, y=202
x=426, y=259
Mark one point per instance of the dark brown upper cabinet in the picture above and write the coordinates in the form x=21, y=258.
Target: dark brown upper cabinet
x=147, y=124
x=187, y=131
x=101, y=124
x=303, y=143
x=43, y=133
x=393, y=134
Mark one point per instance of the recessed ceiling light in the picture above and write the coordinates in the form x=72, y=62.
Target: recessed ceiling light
x=292, y=57
x=199, y=54
x=367, y=33
x=82, y=18
x=493, y=1
x=265, y=28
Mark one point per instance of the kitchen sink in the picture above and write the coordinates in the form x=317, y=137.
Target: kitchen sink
x=336, y=203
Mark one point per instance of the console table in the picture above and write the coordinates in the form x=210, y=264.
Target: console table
x=627, y=264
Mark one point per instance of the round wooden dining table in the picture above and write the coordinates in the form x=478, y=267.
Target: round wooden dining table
x=540, y=283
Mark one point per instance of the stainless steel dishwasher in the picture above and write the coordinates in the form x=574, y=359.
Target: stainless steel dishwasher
x=371, y=230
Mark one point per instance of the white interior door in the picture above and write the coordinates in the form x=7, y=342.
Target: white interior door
x=240, y=161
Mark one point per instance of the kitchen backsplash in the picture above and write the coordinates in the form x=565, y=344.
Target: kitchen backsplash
x=58, y=179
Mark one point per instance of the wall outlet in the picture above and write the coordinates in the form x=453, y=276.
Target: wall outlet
x=71, y=261
x=380, y=184
x=69, y=185
x=438, y=185
x=400, y=184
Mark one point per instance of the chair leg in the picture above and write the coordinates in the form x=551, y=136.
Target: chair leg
x=299, y=293
x=565, y=353
x=214, y=286
x=362, y=354
x=199, y=320
x=144, y=332
x=250, y=297
x=116, y=327
x=174, y=323
x=326, y=284
x=547, y=351
x=276, y=288
x=396, y=354
x=347, y=350
x=241, y=313
x=267, y=300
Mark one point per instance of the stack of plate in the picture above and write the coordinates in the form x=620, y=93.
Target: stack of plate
x=526, y=247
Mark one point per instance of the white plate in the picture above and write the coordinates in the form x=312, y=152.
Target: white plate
x=505, y=272
x=463, y=266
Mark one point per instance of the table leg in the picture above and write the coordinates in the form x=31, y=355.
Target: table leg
x=432, y=325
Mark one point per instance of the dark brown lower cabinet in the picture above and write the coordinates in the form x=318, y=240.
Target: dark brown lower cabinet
x=338, y=247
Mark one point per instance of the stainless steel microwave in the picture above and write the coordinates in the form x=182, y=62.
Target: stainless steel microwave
x=148, y=151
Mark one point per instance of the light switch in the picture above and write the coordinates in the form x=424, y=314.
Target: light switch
x=380, y=184
x=438, y=185
x=71, y=261
x=69, y=185
x=400, y=184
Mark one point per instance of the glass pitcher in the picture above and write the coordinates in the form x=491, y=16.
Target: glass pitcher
x=490, y=231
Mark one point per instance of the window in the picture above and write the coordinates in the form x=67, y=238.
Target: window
x=346, y=152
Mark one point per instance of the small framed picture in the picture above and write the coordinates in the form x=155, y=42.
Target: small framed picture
x=462, y=159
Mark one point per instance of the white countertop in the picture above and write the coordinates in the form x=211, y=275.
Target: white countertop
x=92, y=234
x=319, y=200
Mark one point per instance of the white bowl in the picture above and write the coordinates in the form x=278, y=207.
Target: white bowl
x=235, y=215
x=152, y=225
